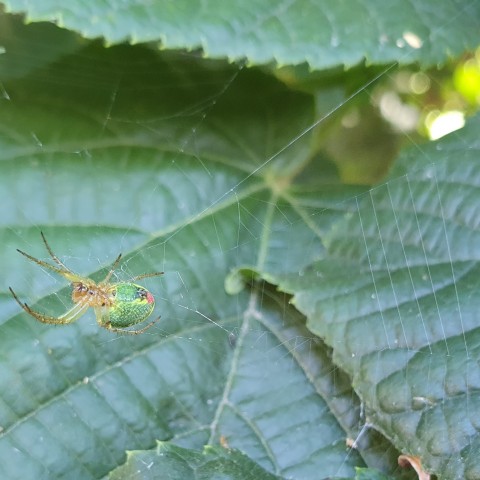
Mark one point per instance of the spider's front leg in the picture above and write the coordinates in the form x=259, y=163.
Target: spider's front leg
x=68, y=317
x=61, y=269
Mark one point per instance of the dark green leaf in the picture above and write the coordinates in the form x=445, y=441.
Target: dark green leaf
x=175, y=162
x=176, y=463
x=208, y=171
x=369, y=474
x=397, y=300
x=321, y=33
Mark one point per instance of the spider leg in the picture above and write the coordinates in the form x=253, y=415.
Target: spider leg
x=110, y=273
x=61, y=271
x=54, y=257
x=133, y=332
x=64, y=272
x=138, y=277
x=104, y=321
x=68, y=317
x=146, y=275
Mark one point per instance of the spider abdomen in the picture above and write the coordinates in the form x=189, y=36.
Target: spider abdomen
x=132, y=304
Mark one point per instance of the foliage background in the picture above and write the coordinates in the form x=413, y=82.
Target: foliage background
x=302, y=310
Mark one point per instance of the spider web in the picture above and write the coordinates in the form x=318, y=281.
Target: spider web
x=227, y=208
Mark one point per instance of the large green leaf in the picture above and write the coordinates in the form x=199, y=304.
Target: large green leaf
x=207, y=171
x=180, y=164
x=397, y=300
x=176, y=463
x=320, y=32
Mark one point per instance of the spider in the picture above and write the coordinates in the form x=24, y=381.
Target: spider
x=116, y=305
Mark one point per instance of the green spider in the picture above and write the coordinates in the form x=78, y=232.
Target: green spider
x=117, y=305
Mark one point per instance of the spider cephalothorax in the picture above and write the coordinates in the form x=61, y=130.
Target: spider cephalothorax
x=117, y=305
x=93, y=294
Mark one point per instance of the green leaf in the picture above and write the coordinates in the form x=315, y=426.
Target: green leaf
x=176, y=463
x=369, y=474
x=213, y=463
x=212, y=173
x=21, y=51
x=322, y=33
x=396, y=298
x=180, y=164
